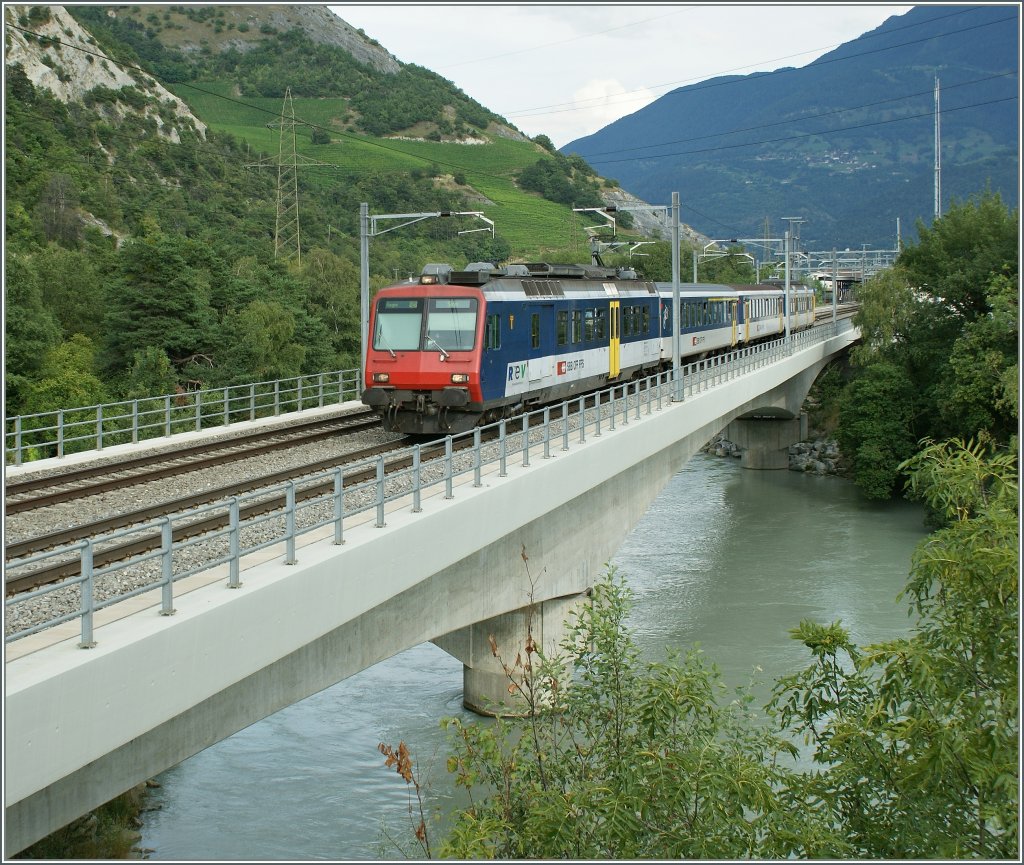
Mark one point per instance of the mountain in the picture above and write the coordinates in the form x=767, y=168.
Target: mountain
x=847, y=142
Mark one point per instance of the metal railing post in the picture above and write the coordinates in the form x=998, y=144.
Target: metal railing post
x=547, y=432
x=252, y=401
x=477, y=458
x=198, y=410
x=526, y=440
x=234, y=541
x=380, y=492
x=99, y=427
x=87, y=597
x=583, y=419
x=166, y=568
x=277, y=398
x=17, y=441
x=565, y=425
x=290, y=524
x=227, y=408
x=339, y=506
x=135, y=421
x=416, y=480
x=502, y=449
x=167, y=415
x=448, y=494
x=60, y=432
x=612, y=407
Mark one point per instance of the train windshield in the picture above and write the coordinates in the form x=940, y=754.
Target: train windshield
x=449, y=324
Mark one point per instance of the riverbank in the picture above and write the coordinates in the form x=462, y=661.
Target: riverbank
x=110, y=832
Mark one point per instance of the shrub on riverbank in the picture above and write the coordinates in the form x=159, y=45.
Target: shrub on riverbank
x=109, y=832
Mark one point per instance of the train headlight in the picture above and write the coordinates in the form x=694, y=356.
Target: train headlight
x=381, y=377
x=460, y=378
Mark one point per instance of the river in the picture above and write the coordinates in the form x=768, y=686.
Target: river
x=724, y=557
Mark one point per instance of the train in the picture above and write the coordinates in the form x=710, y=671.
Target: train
x=461, y=348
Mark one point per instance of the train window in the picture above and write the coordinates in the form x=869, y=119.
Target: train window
x=492, y=333
x=645, y=321
x=601, y=324
x=577, y=325
x=562, y=326
x=535, y=330
x=451, y=323
x=398, y=323
x=588, y=324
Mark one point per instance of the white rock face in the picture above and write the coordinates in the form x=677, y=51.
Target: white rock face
x=83, y=65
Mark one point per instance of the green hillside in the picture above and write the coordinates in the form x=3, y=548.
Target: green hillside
x=528, y=222
x=141, y=254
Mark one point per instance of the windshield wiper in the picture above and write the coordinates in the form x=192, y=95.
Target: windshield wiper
x=383, y=340
x=437, y=344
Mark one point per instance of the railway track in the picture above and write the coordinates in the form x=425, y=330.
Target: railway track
x=92, y=480
x=273, y=502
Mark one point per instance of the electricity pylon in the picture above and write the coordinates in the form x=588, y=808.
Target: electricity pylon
x=286, y=227
x=287, y=242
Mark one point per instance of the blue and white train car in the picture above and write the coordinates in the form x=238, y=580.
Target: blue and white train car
x=460, y=348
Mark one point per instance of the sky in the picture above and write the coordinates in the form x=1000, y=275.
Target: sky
x=567, y=70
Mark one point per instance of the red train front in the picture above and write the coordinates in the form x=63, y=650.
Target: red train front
x=423, y=361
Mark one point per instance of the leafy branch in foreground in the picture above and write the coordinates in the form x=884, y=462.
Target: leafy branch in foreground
x=401, y=761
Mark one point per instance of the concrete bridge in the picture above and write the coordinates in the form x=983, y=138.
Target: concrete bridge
x=82, y=726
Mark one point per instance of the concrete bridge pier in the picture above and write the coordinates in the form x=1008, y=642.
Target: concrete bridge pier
x=765, y=440
x=487, y=677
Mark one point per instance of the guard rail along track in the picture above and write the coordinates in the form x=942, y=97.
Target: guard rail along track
x=276, y=516
x=86, y=428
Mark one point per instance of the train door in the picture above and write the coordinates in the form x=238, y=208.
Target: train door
x=614, y=341
x=540, y=320
x=735, y=319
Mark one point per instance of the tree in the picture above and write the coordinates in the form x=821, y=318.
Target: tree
x=262, y=343
x=876, y=427
x=58, y=211
x=975, y=396
x=73, y=288
x=917, y=738
x=29, y=331
x=955, y=258
x=151, y=374
x=333, y=295
x=161, y=300
x=940, y=331
x=67, y=378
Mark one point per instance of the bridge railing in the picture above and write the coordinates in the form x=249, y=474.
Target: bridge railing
x=65, y=431
x=290, y=510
